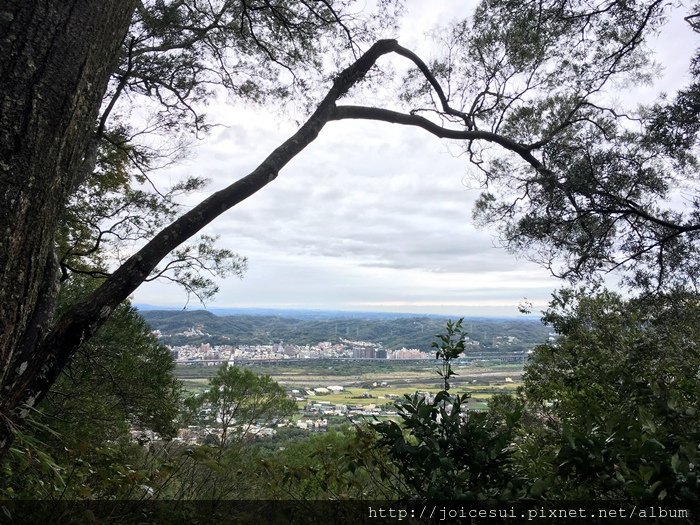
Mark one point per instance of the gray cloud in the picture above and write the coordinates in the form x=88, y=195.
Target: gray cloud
x=370, y=216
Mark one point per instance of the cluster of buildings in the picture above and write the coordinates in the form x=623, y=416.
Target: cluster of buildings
x=205, y=353
x=409, y=353
x=315, y=417
x=501, y=341
x=198, y=435
x=328, y=409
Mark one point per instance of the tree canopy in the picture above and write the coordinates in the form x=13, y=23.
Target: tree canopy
x=237, y=399
x=614, y=397
x=80, y=435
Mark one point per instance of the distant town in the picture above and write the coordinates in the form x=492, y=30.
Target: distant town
x=214, y=355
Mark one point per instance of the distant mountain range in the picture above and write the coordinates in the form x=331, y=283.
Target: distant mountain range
x=241, y=326
x=324, y=314
x=293, y=313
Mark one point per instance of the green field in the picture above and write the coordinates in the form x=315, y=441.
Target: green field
x=372, y=383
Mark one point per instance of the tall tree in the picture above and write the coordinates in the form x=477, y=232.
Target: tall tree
x=237, y=399
x=527, y=78
x=55, y=76
x=55, y=65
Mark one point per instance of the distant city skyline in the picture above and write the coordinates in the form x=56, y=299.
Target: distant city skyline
x=371, y=216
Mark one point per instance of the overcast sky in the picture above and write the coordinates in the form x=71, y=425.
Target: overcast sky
x=371, y=216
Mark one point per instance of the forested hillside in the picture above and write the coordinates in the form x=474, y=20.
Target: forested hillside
x=409, y=332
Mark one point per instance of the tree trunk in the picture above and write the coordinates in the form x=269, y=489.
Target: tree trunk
x=55, y=62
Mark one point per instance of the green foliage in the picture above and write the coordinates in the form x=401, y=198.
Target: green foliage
x=608, y=411
x=122, y=376
x=439, y=450
x=614, y=398
x=237, y=399
x=450, y=347
x=332, y=465
x=78, y=444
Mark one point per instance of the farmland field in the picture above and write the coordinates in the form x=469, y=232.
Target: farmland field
x=373, y=382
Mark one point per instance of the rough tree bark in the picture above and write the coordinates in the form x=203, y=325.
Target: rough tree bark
x=54, y=66
x=51, y=82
